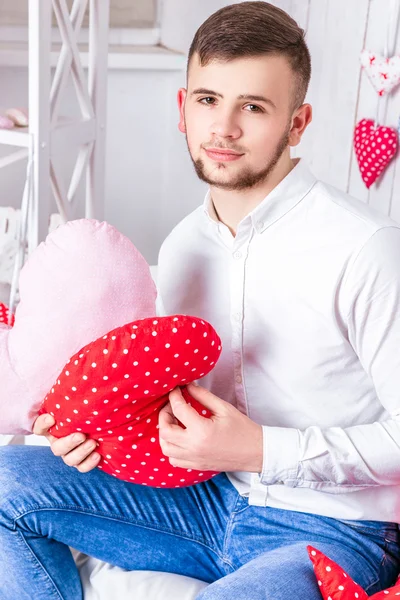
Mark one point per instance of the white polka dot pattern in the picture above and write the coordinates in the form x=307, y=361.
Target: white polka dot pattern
x=115, y=397
x=4, y=315
x=336, y=584
x=374, y=147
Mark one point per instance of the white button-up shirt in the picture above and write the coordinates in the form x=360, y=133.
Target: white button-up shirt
x=306, y=300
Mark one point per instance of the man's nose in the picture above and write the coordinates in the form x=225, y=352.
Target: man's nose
x=226, y=125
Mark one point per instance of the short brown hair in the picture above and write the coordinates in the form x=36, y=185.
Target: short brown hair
x=253, y=29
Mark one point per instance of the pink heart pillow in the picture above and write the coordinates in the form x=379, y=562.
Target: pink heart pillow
x=83, y=281
x=113, y=390
x=336, y=584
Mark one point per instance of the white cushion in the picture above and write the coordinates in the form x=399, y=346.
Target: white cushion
x=102, y=581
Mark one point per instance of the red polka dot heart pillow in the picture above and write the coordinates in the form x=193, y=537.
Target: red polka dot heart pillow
x=4, y=315
x=336, y=584
x=114, y=388
x=87, y=293
x=375, y=147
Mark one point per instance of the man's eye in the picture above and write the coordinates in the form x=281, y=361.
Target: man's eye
x=207, y=100
x=254, y=108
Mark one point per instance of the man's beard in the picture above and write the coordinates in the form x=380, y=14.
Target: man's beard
x=246, y=178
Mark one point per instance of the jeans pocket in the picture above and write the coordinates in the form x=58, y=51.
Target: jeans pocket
x=392, y=550
x=384, y=530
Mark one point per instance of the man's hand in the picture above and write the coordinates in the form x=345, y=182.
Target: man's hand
x=228, y=441
x=74, y=449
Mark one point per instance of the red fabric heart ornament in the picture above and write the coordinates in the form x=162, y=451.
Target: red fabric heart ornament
x=336, y=584
x=384, y=73
x=4, y=314
x=114, y=388
x=374, y=147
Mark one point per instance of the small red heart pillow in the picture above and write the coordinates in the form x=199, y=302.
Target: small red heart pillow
x=114, y=388
x=336, y=584
x=375, y=147
x=4, y=314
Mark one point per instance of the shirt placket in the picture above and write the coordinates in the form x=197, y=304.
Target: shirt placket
x=237, y=282
x=258, y=494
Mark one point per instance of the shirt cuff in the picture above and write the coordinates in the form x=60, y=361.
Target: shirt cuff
x=281, y=456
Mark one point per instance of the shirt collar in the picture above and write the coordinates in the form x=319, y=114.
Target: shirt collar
x=279, y=201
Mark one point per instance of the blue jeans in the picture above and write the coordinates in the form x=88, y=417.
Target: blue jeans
x=206, y=531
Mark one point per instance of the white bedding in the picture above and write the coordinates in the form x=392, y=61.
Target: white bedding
x=102, y=581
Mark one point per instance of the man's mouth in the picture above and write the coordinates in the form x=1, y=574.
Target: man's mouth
x=222, y=154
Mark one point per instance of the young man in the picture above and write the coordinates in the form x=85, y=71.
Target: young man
x=303, y=285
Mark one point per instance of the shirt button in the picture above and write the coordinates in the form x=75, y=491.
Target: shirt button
x=237, y=316
x=280, y=482
x=261, y=224
x=237, y=254
x=238, y=379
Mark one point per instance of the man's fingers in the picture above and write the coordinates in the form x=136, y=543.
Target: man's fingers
x=65, y=445
x=172, y=450
x=76, y=457
x=42, y=425
x=208, y=399
x=185, y=413
x=74, y=449
x=166, y=416
x=89, y=463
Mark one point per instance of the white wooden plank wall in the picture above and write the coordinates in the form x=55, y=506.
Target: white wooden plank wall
x=148, y=171
x=123, y=13
x=341, y=95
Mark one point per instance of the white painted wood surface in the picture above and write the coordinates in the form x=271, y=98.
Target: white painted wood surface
x=150, y=182
x=341, y=94
x=123, y=13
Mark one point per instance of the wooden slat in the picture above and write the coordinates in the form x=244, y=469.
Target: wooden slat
x=380, y=194
x=62, y=72
x=97, y=83
x=39, y=117
x=385, y=194
x=335, y=34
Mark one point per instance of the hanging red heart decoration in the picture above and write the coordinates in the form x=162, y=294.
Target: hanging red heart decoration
x=374, y=147
x=4, y=314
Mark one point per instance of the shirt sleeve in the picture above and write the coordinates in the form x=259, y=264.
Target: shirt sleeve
x=338, y=460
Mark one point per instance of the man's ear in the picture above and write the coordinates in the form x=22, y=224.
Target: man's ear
x=181, y=105
x=300, y=121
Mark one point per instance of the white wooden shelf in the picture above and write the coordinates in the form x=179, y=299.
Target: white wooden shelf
x=120, y=56
x=67, y=131
x=15, y=137
x=116, y=35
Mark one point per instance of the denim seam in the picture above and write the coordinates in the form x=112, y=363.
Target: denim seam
x=381, y=566
x=377, y=581
x=115, y=517
x=229, y=527
x=36, y=560
x=369, y=531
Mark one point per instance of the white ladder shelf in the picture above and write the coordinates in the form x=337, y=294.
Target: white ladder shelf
x=48, y=132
